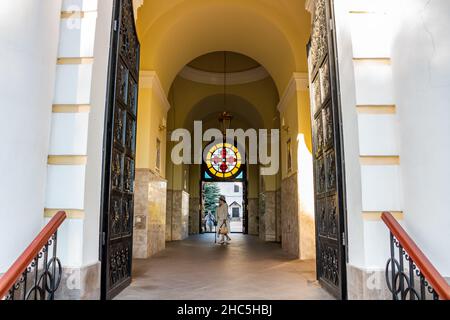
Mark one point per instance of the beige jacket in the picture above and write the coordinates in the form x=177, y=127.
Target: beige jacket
x=222, y=214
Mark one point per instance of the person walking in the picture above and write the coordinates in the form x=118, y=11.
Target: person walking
x=223, y=223
x=209, y=221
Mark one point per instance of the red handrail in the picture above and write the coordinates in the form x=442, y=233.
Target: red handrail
x=15, y=271
x=434, y=278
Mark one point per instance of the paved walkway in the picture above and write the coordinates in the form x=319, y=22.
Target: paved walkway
x=248, y=268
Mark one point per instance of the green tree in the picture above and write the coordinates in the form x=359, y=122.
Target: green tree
x=211, y=194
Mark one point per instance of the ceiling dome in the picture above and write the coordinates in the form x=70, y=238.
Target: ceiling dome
x=215, y=62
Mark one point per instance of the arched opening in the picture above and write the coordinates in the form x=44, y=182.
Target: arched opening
x=200, y=60
x=247, y=94
x=224, y=174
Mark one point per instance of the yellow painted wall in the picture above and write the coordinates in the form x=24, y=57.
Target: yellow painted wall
x=297, y=117
x=151, y=112
x=194, y=180
x=304, y=117
x=262, y=95
x=290, y=117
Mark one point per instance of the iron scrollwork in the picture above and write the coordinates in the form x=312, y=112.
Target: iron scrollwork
x=321, y=176
x=404, y=280
x=322, y=213
x=319, y=42
x=329, y=264
x=119, y=264
x=129, y=45
x=41, y=279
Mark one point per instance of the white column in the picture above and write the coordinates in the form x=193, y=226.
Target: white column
x=371, y=140
x=75, y=157
x=29, y=36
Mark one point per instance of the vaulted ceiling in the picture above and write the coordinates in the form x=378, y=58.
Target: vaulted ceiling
x=175, y=32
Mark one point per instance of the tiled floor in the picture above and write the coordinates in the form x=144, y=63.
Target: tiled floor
x=246, y=269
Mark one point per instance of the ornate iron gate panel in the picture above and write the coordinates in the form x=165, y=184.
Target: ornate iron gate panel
x=119, y=153
x=328, y=166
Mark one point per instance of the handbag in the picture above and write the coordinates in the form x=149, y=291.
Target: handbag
x=223, y=229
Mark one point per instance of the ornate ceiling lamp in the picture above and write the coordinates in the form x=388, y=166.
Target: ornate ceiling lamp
x=225, y=121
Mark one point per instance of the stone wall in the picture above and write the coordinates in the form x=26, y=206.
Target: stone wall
x=169, y=215
x=194, y=223
x=149, y=214
x=366, y=284
x=262, y=214
x=177, y=215
x=80, y=283
x=267, y=231
x=278, y=216
x=253, y=216
x=290, y=239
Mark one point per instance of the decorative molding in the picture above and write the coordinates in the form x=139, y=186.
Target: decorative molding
x=384, y=60
x=361, y=12
x=71, y=108
x=216, y=78
x=76, y=60
x=77, y=14
x=298, y=82
x=376, y=215
x=379, y=160
x=150, y=80
x=65, y=160
x=376, y=109
x=71, y=213
x=72, y=15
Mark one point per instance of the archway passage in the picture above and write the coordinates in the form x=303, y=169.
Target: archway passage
x=248, y=59
x=207, y=88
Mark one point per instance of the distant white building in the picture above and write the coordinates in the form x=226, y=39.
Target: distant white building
x=234, y=195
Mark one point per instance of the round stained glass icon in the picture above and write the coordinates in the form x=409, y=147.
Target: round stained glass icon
x=224, y=160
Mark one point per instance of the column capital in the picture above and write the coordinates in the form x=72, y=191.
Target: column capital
x=298, y=82
x=150, y=80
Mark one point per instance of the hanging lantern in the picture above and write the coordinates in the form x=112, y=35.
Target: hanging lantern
x=225, y=121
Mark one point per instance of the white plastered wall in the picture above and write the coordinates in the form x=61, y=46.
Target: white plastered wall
x=421, y=68
x=29, y=36
x=75, y=153
x=394, y=84
x=370, y=129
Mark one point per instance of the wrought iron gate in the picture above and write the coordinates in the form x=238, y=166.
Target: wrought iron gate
x=328, y=165
x=119, y=153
